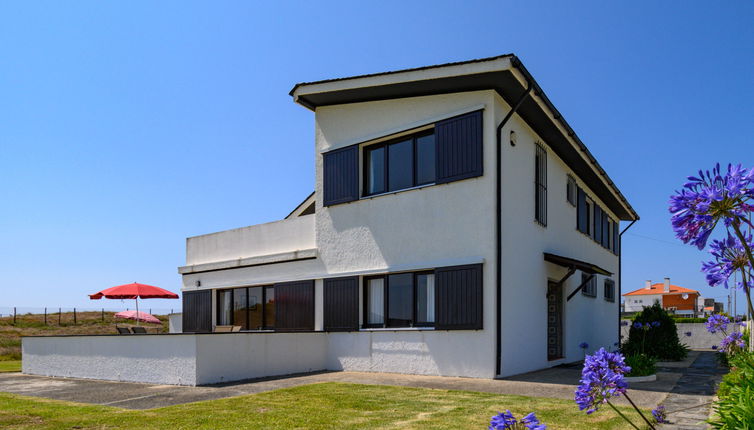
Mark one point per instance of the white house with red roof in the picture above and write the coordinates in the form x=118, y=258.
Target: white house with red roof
x=679, y=300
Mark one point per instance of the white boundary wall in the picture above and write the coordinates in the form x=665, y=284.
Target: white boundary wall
x=185, y=359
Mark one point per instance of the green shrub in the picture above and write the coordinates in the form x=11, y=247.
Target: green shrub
x=641, y=365
x=734, y=408
x=660, y=342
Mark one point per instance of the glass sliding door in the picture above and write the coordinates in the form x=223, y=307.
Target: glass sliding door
x=256, y=311
x=400, y=297
x=425, y=299
x=269, y=307
x=239, y=308
x=376, y=304
x=224, y=306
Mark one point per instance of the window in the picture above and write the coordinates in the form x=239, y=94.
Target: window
x=590, y=288
x=540, y=185
x=399, y=164
x=252, y=308
x=400, y=300
x=609, y=290
x=571, y=190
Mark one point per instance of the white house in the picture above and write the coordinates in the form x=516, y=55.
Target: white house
x=452, y=206
x=458, y=227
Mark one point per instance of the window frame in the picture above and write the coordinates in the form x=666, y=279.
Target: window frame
x=540, y=184
x=609, y=297
x=386, y=304
x=592, y=284
x=386, y=168
x=262, y=303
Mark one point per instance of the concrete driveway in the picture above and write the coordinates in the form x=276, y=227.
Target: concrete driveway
x=559, y=382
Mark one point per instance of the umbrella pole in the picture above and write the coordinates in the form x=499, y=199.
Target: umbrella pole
x=137, y=311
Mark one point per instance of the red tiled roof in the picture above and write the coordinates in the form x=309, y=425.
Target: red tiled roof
x=659, y=289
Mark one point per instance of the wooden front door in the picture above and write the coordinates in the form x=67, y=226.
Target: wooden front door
x=554, y=321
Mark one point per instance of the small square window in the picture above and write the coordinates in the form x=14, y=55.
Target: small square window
x=609, y=290
x=590, y=288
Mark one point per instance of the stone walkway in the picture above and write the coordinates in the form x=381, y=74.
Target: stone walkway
x=689, y=403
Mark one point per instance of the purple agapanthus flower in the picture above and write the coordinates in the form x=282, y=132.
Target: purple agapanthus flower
x=601, y=379
x=655, y=324
x=637, y=325
x=506, y=421
x=728, y=256
x=660, y=415
x=688, y=334
x=714, y=346
x=624, y=323
x=717, y=323
x=708, y=198
x=502, y=421
x=583, y=345
x=732, y=342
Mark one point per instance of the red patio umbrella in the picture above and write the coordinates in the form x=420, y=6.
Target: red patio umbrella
x=138, y=316
x=134, y=291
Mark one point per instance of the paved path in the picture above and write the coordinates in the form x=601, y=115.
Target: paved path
x=690, y=402
x=553, y=383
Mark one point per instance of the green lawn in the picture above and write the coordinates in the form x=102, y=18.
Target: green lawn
x=317, y=406
x=10, y=366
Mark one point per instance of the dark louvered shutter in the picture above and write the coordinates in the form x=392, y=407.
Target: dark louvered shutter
x=597, y=224
x=581, y=215
x=459, y=147
x=606, y=229
x=458, y=301
x=616, y=238
x=197, y=311
x=340, y=175
x=294, y=306
x=341, y=304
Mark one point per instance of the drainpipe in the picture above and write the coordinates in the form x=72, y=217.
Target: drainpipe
x=499, y=222
x=620, y=270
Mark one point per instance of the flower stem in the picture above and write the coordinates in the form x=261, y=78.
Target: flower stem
x=622, y=416
x=639, y=411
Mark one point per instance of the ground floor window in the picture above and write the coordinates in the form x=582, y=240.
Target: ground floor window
x=252, y=308
x=400, y=300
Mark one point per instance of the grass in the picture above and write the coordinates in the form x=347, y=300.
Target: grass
x=317, y=406
x=63, y=324
x=10, y=366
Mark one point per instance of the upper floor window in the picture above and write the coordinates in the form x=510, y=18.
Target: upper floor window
x=399, y=164
x=571, y=190
x=540, y=185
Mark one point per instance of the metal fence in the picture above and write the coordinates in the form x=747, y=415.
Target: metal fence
x=59, y=314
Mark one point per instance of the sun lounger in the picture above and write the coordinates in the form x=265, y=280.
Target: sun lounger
x=123, y=330
x=139, y=330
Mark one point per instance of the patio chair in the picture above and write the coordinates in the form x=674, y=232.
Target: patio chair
x=223, y=328
x=236, y=328
x=139, y=330
x=123, y=330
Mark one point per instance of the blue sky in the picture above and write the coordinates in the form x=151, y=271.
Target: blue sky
x=128, y=126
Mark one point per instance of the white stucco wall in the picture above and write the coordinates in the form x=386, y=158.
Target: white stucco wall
x=263, y=239
x=175, y=323
x=525, y=273
x=423, y=352
x=186, y=359
x=136, y=358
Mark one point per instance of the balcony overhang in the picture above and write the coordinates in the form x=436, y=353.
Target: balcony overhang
x=283, y=257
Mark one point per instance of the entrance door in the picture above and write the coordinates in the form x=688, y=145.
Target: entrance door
x=554, y=321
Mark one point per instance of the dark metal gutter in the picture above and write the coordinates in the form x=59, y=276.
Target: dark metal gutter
x=499, y=228
x=620, y=271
